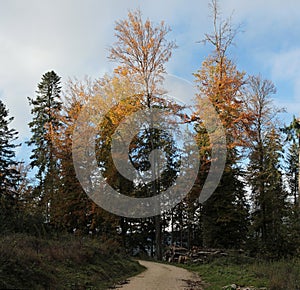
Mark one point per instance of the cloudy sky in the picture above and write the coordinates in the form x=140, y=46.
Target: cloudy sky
x=72, y=37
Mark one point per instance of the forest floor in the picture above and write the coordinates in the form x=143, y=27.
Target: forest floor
x=159, y=276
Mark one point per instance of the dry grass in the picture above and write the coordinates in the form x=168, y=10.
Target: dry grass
x=65, y=263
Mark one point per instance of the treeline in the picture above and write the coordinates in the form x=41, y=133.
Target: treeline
x=256, y=205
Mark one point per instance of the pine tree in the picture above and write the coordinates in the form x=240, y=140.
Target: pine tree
x=292, y=175
x=292, y=170
x=8, y=174
x=269, y=197
x=276, y=194
x=293, y=134
x=45, y=127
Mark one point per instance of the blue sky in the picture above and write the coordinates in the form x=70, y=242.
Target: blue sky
x=72, y=37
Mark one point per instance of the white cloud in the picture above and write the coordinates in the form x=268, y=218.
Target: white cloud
x=285, y=70
x=72, y=37
x=286, y=64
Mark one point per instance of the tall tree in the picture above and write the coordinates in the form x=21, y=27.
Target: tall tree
x=225, y=213
x=72, y=206
x=292, y=170
x=44, y=127
x=74, y=210
x=293, y=134
x=142, y=51
x=292, y=174
x=8, y=174
x=269, y=197
x=264, y=171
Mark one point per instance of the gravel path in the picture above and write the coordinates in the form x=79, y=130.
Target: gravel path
x=163, y=277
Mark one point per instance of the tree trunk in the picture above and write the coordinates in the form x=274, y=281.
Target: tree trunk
x=158, y=237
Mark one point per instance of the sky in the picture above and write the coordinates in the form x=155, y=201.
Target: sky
x=72, y=37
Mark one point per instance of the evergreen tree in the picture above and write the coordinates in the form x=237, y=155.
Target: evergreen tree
x=293, y=134
x=8, y=174
x=276, y=194
x=292, y=170
x=292, y=174
x=265, y=175
x=45, y=127
x=269, y=197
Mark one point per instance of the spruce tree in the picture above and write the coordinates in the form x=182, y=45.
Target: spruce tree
x=44, y=127
x=293, y=134
x=292, y=170
x=8, y=174
x=265, y=176
x=269, y=197
x=292, y=175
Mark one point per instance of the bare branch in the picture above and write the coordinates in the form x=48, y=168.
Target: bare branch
x=223, y=31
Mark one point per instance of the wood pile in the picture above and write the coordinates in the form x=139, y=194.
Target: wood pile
x=237, y=287
x=195, y=255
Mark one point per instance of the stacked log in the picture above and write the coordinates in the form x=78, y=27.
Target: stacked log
x=195, y=255
x=174, y=254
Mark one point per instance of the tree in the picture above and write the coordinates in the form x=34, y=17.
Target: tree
x=44, y=127
x=9, y=176
x=71, y=203
x=225, y=213
x=265, y=175
x=292, y=174
x=292, y=170
x=142, y=51
x=269, y=197
x=74, y=211
x=293, y=134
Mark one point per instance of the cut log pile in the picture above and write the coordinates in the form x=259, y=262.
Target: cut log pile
x=195, y=255
x=236, y=287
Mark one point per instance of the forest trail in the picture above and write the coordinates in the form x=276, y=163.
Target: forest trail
x=163, y=277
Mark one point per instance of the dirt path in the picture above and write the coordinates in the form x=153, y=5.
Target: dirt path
x=163, y=277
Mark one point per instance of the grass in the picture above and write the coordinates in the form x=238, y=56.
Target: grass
x=28, y=262
x=279, y=275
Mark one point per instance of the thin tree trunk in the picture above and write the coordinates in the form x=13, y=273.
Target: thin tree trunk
x=158, y=237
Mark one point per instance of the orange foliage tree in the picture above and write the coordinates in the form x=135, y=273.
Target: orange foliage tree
x=218, y=79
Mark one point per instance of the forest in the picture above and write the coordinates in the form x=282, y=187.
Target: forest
x=254, y=209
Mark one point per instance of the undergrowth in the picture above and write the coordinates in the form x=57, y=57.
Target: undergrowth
x=28, y=262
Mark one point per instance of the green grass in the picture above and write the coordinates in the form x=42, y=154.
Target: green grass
x=71, y=263
x=280, y=275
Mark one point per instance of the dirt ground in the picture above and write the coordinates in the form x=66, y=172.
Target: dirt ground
x=163, y=277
